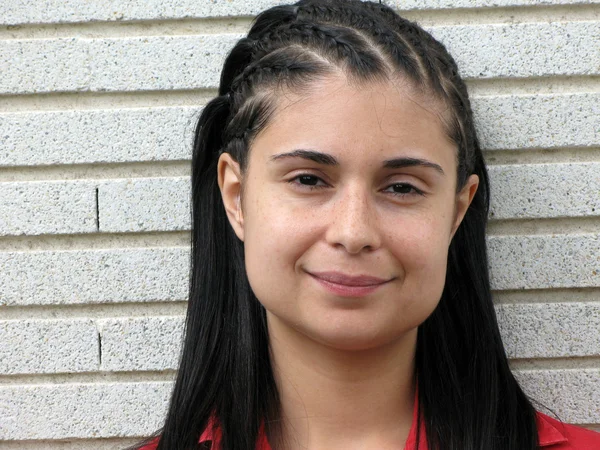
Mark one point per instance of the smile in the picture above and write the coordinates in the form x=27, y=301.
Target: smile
x=348, y=286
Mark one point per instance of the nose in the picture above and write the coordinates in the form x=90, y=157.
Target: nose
x=353, y=222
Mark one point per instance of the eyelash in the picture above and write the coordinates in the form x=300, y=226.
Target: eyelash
x=415, y=190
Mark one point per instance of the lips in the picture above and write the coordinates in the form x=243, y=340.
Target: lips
x=349, y=280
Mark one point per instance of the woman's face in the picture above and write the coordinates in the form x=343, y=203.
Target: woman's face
x=348, y=207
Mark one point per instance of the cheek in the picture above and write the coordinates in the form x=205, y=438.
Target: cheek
x=421, y=240
x=422, y=251
x=275, y=237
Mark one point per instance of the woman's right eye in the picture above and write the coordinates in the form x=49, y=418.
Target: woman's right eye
x=308, y=180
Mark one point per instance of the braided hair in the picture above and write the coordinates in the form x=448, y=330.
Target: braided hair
x=467, y=394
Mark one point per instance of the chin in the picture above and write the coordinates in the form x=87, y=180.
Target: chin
x=351, y=340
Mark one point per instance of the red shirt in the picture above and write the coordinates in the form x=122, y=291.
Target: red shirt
x=553, y=435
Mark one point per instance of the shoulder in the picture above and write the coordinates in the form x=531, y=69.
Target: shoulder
x=556, y=435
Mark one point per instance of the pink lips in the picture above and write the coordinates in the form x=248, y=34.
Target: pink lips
x=346, y=285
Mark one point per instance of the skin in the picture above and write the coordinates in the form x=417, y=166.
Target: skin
x=344, y=365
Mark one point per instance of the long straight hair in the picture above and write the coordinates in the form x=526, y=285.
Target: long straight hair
x=468, y=396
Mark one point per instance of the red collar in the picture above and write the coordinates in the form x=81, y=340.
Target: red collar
x=547, y=430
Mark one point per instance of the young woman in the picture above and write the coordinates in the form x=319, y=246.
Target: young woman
x=339, y=289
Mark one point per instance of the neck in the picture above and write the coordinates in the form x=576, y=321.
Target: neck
x=331, y=398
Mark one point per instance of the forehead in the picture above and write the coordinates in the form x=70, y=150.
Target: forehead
x=358, y=123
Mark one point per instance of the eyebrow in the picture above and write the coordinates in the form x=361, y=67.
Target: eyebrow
x=329, y=160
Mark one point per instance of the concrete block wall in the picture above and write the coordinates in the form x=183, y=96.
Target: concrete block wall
x=97, y=106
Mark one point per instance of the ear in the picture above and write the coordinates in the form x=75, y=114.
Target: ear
x=230, y=183
x=463, y=200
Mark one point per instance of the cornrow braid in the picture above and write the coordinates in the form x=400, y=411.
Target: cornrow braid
x=418, y=40
x=337, y=43
x=370, y=27
x=282, y=25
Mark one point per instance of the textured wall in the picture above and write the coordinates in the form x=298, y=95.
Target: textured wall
x=97, y=104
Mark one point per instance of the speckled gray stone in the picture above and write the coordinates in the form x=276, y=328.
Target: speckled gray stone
x=158, y=63
x=94, y=276
x=550, y=330
x=75, y=137
x=71, y=444
x=574, y=394
x=44, y=65
x=113, y=64
x=186, y=62
x=545, y=261
x=82, y=410
x=545, y=190
x=451, y=4
x=509, y=122
x=47, y=207
x=524, y=49
x=48, y=346
x=148, y=343
x=144, y=204
x=47, y=11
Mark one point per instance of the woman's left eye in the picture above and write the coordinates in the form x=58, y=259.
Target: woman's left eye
x=402, y=189
x=308, y=180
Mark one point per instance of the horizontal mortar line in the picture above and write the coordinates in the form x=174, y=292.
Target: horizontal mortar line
x=95, y=241
x=503, y=83
x=504, y=15
x=70, y=443
x=241, y=24
x=534, y=85
x=536, y=296
x=99, y=378
x=181, y=238
x=94, y=311
x=91, y=100
x=544, y=226
x=177, y=309
x=87, y=377
x=96, y=171
x=559, y=155
x=133, y=28
x=570, y=363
